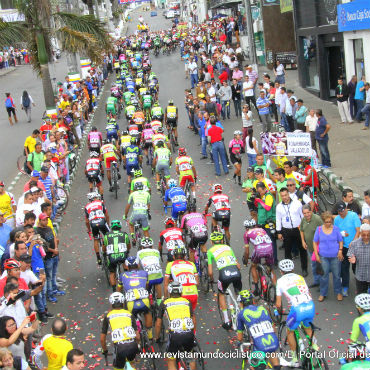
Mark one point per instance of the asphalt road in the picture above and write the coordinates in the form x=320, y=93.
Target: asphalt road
x=87, y=291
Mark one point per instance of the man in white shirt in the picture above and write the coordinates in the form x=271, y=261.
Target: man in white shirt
x=288, y=219
x=193, y=70
x=211, y=92
x=366, y=205
x=300, y=195
x=248, y=92
x=24, y=208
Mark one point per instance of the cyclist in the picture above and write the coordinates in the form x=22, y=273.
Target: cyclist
x=133, y=130
x=181, y=324
x=125, y=336
x=115, y=250
x=139, y=119
x=262, y=248
x=129, y=111
x=185, y=273
x=229, y=271
x=109, y=154
x=162, y=162
x=112, y=130
x=257, y=321
x=127, y=97
x=362, y=323
x=186, y=170
x=157, y=112
x=94, y=140
x=170, y=118
x=195, y=228
x=147, y=102
x=177, y=197
x=302, y=310
x=140, y=201
x=308, y=169
x=149, y=260
x=111, y=106
x=222, y=211
x=138, y=177
x=236, y=148
x=125, y=140
x=96, y=220
x=94, y=171
x=159, y=136
x=153, y=89
x=172, y=236
x=132, y=159
x=134, y=283
x=146, y=140
x=155, y=125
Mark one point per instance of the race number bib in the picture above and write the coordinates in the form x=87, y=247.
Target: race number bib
x=261, y=328
x=181, y=324
x=185, y=167
x=172, y=244
x=153, y=269
x=179, y=199
x=138, y=206
x=121, y=248
x=263, y=239
x=186, y=279
x=134, y=294
x=197, y=229
x=301, y=298
x=225, y=261
x=96, y=214
x=223, y=204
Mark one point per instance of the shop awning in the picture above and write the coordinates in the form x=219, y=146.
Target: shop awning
x=222, y=4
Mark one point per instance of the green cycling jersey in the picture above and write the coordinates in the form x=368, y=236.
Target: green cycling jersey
x=222, y=255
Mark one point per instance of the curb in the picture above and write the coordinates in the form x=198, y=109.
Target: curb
x=7, y=71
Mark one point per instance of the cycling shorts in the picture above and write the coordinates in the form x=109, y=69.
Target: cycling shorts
x=258, y=255
x=99, y=226
x=154, y=282
x=112, y=135
x=197, y=239
x=141, y=218
x=123, y=352
x=229, y=275
x=303, y=313
x=172, y=122
x=189, y=178
x=193, y=299
x=139, y=306
x=235, y=159
x=158, y=118
x=223, y=216
x=180, y=342
x=111, y=110
x=165, y=168
x=177, y=208
x=147, y=145
x=116, y=259
x=109, y=160
x=130, y=168
x=147, y=106
x=94, y=176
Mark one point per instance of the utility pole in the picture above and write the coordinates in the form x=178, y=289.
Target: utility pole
x=108, y=7
x=252, y=45
x=97, y=9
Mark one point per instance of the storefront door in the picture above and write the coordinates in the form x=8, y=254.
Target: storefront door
x=335, y=67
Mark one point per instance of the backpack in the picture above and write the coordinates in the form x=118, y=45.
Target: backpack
x=26, y=168
x=8, y=102
x=26, y=101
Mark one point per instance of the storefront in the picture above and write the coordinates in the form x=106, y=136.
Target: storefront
x=320, y=46
x=354, y=22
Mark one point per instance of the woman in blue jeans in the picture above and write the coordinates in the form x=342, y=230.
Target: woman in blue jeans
x=328, y=247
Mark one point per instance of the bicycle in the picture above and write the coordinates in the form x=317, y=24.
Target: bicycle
x=162, y=184
x=72, y=159
x=104, y=264
x=190, y=200
x=172, y=138
x=201, y=263
x=319, y=201
x=220, y=229
x=325, y=188
x=114, y=174
x=266, y=288
x=138, y=233
x=257, y=359
x=21, y=163
x=155, y=311
x=308, y=357
x=182, y=362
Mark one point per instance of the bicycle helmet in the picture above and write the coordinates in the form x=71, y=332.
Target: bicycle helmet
x=182, y=151
x=94, y=154
x=170, y=102
x=116, y=298
x=174, y=288
x=216, y=236
x=146, y=242
x=169, y=221
x=138, y=186
x=217, y=188
x=11, y=263
x=363, y=301
x=286, y=265
x=245, y=297
x=116, y=225
x=131, y=261
x=172, y=183
x=179, y=253
x=93, y=195
x=94, y=128
x=124, y=133
x=156, y=104
x=160, y=144
x=133, y=140
x=138, y=173
x=237, y=132
x=160, y=130
x=249, y=222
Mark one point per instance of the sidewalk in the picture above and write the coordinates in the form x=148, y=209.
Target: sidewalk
x=349, y=146
x=5, y=71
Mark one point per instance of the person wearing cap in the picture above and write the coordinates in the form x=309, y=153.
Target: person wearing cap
x=35, y=175
x=35, y=159
x=260, y=177
x=30, y=142
x=359, y=254
x=350, y=202
x=349, y=225
x=8, y=205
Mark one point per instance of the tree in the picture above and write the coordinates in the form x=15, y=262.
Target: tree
x=76, y=33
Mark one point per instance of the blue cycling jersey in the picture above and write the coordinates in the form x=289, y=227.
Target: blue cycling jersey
x=112, y=127
x=134, y=285
x=176, y=196
x=258, y=322
x=132, y=154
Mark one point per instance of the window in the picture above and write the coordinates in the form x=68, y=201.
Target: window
x=358, y=52
x=311, y=73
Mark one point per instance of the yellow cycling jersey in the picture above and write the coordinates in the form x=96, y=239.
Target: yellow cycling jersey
x=185, y=164
x=185, y=273
x=179, y=313
x=171, y=112
x=108, y=150
x=122, y=325
x=125, y=141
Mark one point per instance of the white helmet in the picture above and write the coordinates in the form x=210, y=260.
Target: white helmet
x=217, y=188
x=249, y=222
x=363, y=301
x=93, y=195
x=172, y=183
x=116, y=297
x=286, y=265
x=237, y=132
x=174, y=287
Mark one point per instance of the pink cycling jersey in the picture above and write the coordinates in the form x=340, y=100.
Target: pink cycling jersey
x=236, y=145
x=147, y=135
x=260, y=240
x=95, y=139
x=191, y=219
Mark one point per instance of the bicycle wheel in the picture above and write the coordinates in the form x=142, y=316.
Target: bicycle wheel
x=115, y=181
x=61, y=197
x=204, y=278
x=326, y=189
x=20, y=164
x=104, y=263
x=321, y=203
x=315, y=363
x=200, y=360
x=251, y=283
x=271, y=300
x=72, y=161
x=148, y=348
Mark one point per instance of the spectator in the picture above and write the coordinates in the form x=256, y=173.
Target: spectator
x=342, y=94
x=280, y=180
x=25, y=208
x=366, y=109
x=35, y=176
x=225, y=96
x=349, y=225
x=224, y=76
x=202, y=122
x=351, y=94
x=4, y=233
x=10, y=108
x=26, y=104
x=310, y=222
x=248, y=92
x=350, y=202
x=322, y=138
x=247, y=187
x=328, y=248
x=246, y=120
x=263, y=106
x=30, y=142
x=193, y=69
x=253, y=75
x=311, y=124
x=35, y=159
x=298, y=194
x=238, y=75
x=288, y=219
x=75, y=360
x=47, y=182
x=218, y=149
x=251, y=145
x=237, y=97
x=8, y=205
x=359, y=254
x=9, y=361
x=55, y=346
x=366, y=206
x=279, y=72
x=211, y=107
x=200, y=89
x=211, y=92
x=300, y=115
x=282, y=97
x=359, y=98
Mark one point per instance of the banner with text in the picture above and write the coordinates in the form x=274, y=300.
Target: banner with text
x=299, y=144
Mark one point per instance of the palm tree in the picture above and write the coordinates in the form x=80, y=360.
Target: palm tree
x=76, y=33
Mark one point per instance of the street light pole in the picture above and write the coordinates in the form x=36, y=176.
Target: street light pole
x=252, y=45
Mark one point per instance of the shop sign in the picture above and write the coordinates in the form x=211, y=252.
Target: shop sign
x=354, y=16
